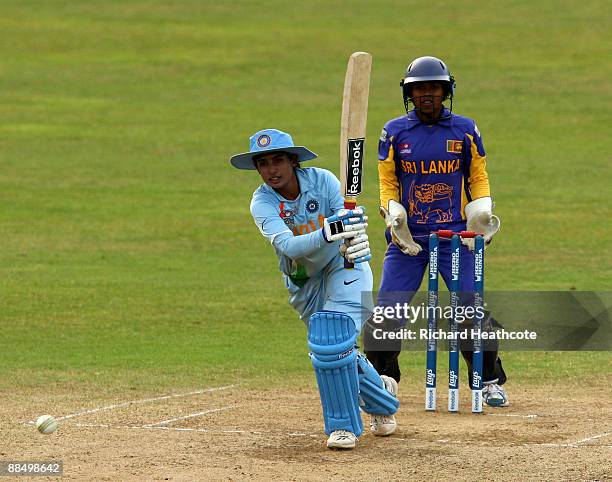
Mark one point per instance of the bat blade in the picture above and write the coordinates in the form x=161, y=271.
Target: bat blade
x=353, y=125
x=353, y=128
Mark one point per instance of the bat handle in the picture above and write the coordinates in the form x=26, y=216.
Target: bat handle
x=348, y=205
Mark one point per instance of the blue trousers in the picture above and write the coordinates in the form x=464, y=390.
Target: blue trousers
x=405, y=273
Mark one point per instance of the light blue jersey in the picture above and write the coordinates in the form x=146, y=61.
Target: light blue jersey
x=313, y=269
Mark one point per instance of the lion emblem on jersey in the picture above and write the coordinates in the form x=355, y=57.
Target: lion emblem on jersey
x=422, y=196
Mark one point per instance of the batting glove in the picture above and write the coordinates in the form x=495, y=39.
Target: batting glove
x=345, y=224
x=357, y=250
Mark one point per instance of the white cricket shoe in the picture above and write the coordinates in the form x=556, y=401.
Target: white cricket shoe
x=494, y=395
x=342, y=439
x=383, y=425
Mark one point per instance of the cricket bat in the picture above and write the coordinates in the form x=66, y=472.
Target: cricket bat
x=353, y=128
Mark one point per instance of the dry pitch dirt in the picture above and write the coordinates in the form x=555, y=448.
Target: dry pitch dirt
x=235, y=433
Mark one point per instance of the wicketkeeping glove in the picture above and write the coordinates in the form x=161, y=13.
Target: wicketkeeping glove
x=396, y=220
x=358, y=249
x=480, y=219
x=345, y=224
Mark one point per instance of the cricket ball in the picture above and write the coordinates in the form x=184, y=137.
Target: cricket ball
x=46, y=424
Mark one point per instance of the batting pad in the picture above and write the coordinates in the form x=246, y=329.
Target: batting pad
x=375, y=399
x=331, y=340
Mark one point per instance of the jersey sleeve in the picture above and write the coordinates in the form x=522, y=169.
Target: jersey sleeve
x=266, y=217
x=389, y=184
x=336, y=201
x=476, y=161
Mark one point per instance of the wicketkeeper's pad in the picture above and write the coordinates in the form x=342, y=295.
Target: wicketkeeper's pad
x=331, y=340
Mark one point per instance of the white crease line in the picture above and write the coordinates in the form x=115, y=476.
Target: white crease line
x=594, y=437
x=573, y=446
x=134, y=402
x=297, y=434
x=464, y=442
x=202, y=430
x=511, y=415
x=192, y=415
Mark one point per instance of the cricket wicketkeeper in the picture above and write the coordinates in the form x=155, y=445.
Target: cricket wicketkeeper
x=301, y=212
x=432, y=171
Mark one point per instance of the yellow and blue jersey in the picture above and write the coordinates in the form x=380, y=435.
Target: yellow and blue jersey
x=434, y=170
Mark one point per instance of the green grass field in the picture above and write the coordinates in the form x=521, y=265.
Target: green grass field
x=128, y=256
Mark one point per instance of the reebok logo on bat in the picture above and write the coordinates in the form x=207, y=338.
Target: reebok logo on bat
x=354, y=166
x=346, y=283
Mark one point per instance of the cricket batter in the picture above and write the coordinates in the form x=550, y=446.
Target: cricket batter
x=301, y=212
x=432, y=171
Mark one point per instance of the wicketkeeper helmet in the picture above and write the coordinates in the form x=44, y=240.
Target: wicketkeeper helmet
x=426, y=69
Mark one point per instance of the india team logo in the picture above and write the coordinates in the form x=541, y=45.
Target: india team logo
x=312, y=206
x=263, y=140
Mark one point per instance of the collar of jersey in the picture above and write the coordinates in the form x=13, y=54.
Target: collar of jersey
x=413, y=119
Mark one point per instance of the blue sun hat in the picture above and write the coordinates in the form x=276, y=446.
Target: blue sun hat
x=268, y=141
